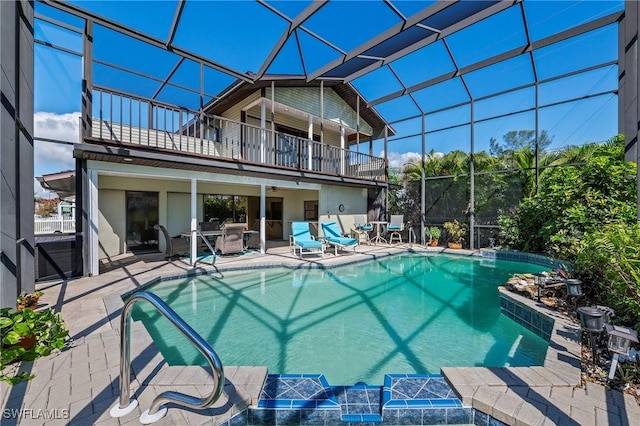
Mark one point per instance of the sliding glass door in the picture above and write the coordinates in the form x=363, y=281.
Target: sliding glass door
x=142, y=215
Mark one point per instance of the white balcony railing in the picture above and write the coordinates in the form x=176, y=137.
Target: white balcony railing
x=52, y=225
x=121, y=118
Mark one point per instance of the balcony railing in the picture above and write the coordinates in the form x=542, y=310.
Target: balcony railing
x=123, y=118
x=51, y=225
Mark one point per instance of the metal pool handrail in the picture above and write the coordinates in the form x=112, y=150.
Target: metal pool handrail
x=208, y=244
x=156, y=411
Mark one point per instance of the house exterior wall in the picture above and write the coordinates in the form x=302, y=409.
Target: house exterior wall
x=331, y=136
x=111, y=222
x=307, y=99
x=175, y=205
x=354, y=201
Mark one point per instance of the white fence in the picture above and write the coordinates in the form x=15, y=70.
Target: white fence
x=50, y=225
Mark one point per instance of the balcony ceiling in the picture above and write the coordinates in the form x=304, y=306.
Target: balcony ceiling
x=390, y=53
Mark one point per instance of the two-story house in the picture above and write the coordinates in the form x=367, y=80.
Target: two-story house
x=266, y=154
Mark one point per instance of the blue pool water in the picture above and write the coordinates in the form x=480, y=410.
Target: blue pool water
x=402, y=314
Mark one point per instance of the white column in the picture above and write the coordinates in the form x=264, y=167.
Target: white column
x=194, y=220
x=92, y=232
x=343, y=154
x=263, y=127
x=310, y=146
x=263, y=218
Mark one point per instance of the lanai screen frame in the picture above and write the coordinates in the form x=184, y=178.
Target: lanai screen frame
x=368, y=63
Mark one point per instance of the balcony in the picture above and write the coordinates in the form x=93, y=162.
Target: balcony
x=119, y=118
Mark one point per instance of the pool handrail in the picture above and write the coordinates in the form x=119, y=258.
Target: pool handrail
x=126, y=404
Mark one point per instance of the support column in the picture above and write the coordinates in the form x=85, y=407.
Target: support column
x=386, y=172
x=423, y=191
x=17, y=243
x=310, y=146
x=343, y=154
x=194, y=222
x=629, y=83
x=263, y=218
x=263, y=129
x=472, y=181
x=92, y=226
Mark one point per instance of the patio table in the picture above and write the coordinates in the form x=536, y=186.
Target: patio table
x=378, y=238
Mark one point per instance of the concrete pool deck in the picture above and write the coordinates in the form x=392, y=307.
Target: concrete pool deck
x=80, y=384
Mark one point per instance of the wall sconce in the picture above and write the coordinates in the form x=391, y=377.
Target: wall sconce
x=619, y=343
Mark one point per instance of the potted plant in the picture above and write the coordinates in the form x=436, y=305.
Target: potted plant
x=28, y=335
x=434, y=235
x=28, y=300
x=456, y=232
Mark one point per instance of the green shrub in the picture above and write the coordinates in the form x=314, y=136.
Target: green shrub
x=45, y=328
x=573, y=201
x=608, y=262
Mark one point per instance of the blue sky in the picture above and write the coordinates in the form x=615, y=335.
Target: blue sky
x=240, y=35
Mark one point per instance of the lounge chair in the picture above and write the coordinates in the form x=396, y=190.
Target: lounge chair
x=361, y=229
x=396, y=225
x=302, y=239
x=333, y=236
x=175, y=246
x=231, y=240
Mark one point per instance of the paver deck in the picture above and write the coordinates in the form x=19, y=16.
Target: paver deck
x=80, y=384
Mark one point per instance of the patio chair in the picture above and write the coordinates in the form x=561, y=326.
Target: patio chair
x=396, y=225
x=252, y=239
x=231, y=240
x=175, y=246
x=333, y=237
x=361, y=229
x=302, y=239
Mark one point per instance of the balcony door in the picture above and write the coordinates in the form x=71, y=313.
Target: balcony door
x=142, y=215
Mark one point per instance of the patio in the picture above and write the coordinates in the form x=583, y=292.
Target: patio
x=80, y=384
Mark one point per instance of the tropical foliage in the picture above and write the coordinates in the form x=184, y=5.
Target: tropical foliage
x=608, y=261
x=575, y=200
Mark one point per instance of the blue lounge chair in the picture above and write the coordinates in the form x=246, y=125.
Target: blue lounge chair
x=333, y=236
x=302, y=239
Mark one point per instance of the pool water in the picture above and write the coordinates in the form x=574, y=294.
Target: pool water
x=402, y=314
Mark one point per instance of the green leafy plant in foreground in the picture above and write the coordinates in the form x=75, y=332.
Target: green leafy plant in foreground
x=46, y=328
x=608, y=262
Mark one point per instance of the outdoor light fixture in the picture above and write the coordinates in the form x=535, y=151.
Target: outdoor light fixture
x=591, y=320
x=574, y=287
x=609, y=313
x=619, y=343
x=539, y=280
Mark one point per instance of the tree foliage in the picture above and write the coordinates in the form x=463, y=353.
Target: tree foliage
x=575, y=200
x=516, y=140
x=608, y=261
x=46, y=208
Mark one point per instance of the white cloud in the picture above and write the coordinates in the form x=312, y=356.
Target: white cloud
x=48, y=156
x=62, y=127
x=398, y=159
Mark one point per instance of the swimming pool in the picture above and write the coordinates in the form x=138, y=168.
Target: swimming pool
x=411, y=313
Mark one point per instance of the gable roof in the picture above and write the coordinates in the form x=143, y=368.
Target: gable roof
x=240, y=90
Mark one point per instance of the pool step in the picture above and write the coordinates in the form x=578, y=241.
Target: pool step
x=360, y=403
x=403, y=399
